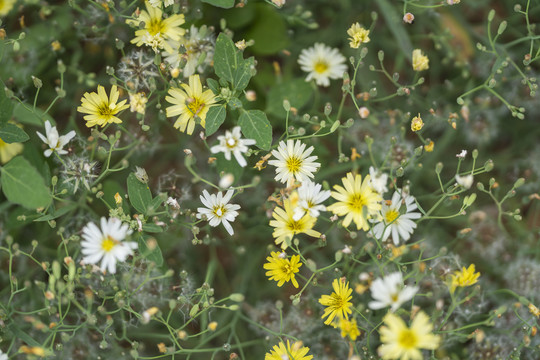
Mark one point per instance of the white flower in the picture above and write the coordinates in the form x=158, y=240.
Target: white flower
x=231, y=143
x=172, y=202
x=465, y=181
x=399, y=225
x=462, y=154
x=293, y=161
x=310, y=198
x=106, y=244
x=322, y=63
x=3, y=356
x=226, y=180
x=55, y=142
x=218, y=210
x=390, y=291
x=378, y=180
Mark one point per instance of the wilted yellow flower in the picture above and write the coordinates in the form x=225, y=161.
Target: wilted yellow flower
x=213, y=326
x=137, y=102
x=464, y=277
x=534, y=310
x=9, y=151
x=429, y=146
x=417, y=124
x=349, y=328
x=358, y=35
x=419, y=60
x=34, y=350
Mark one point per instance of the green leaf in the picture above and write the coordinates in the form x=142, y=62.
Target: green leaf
x=243, y=73
x=225, y=58
x=23, y=185
x=297, y=92
x=214, y=118
x=152, y=228
x=153, y=254
x=11, y=133
x=139, y=194
x=6, y=107
x=213, y=85
x=226, y=4
x=256, y=126
x=235, y=103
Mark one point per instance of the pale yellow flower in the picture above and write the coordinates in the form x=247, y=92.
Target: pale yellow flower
x=358, y=35
x=137, y=102
x=6, y=6
x=157, y=31
x=101, y=108
x=281, y=352
x=190, y=103
x=286, y=227
x=401, y=342
x=357, y=201
x=417, y=124
x=419, y=60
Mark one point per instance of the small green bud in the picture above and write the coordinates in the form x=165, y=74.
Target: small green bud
x=488, y=166
x=519, y=182
x=338, y=255
x=491, y=15
x=286, y=105
x=335, y=125
x=37, y=82
x=380, y=55
x=56, y=269
x=439, y=167
x=237, y=297
x=327, y=109
x=480, y=186
x=502, y=27
x=399, y=171
x=194, y=310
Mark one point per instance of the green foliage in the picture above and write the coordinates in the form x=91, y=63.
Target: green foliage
x=23, y=184
x=11, y=133
x=214, y=118
x=226, y=4
x=297, y=91
x=256, y=126
x=139, y=194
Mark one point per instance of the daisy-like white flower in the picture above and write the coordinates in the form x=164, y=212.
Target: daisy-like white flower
x=322, y=63
x=106, y=244
x=356, y=201
x=338, y=303
x=281, y=352
x=286, y=227
x=218, y=210
x=310, y=199
x=293, y=161
x=402, y=342
x=378, y=180
x=157, y=30
x=190, y=103
x=55, y=142
x=394, y=222
x=3, y=356
x=101, y=108
x=232, y=143
x=390, y=291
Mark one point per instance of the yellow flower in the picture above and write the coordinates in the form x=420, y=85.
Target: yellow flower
x=358, y=35
x=101, y=108
x=190, y=103
x=417, y=124
x=297, y=351
x=286, y=227
x=430, y=145
x=419, y=61
x=401, y=342
x=349, y=328
x=358, y=201
x=282, y=269
x=464, y=277
x=157, y=31
x=138, y=102
x=338, y=303
x=6, y=6
x=9, y=151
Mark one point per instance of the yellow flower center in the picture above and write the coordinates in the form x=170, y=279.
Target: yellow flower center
x=394, y=297
x=407, y=339
x=155, y=27
x=106, y=111
x=287, y=269
x=295, y=226
x=108, y=243
x=391, y=215
x=321, y=67
x=293, y=164
x=357, y=202
x=219, y=210
x=231, y=143
x=195, y=106
x=337, y=303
